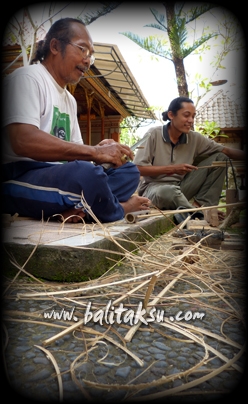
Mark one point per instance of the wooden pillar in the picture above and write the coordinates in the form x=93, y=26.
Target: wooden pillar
x=71, y=88
x=115, y=136
x=115, y=131
x=89, y=98
x=102, y=114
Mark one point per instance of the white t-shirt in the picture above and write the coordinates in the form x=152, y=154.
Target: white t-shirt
x=32, y=96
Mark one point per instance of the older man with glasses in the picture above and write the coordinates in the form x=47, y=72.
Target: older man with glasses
x=47, y=169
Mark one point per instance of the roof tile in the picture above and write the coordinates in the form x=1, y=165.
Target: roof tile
x=222, y=110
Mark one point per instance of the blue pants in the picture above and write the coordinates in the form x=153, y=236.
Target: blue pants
x=38, y=189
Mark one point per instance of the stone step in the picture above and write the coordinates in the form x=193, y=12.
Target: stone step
x=73, y=252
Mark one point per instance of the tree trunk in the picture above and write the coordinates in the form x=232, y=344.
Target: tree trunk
x=181, y=77
x=177, y=57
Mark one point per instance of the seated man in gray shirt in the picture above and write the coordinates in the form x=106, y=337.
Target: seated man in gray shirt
x=169, y=178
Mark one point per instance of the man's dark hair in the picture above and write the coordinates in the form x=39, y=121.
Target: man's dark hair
x=60, y=30
x=174, y=106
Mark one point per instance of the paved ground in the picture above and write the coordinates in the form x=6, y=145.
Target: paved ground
x=196, y=354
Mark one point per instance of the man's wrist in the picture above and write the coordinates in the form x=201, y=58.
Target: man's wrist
x=88, y=153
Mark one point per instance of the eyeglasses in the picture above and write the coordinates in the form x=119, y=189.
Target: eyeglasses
x=85, y=52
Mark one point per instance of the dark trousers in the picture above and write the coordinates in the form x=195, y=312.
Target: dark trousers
x=37, y=189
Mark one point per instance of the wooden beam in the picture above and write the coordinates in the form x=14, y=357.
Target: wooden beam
x=98, y=86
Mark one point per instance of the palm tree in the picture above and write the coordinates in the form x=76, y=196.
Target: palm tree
x=174, y=24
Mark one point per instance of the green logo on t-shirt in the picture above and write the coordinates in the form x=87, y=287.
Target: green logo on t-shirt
x=60, y=125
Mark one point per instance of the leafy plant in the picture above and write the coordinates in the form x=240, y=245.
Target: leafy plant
x=129, y=127
x=210, y=129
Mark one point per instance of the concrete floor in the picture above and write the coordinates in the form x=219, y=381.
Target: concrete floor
x=27, y=231
x=71, y=251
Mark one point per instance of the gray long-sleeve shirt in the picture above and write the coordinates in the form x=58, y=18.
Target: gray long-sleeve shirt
x=159, y=151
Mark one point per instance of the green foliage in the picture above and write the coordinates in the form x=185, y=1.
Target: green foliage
x=157, y=45
x=174, y=25
x=104, y=9
x=199, y=82
x=180, y=37
x=210, y=129
x=128, y=138
x=129, y=126
x=177, y=32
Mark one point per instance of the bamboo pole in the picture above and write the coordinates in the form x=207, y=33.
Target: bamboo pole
x=133, y=217
x=216, y=164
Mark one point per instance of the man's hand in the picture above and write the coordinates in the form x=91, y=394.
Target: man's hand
x=38, y=145
x=154, y=171
x=104, y=142
x=181, y=169
x=109, y=151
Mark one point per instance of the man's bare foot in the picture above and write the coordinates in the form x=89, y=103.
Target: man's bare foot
x=221, y=215
x=73, y=215
x=210, y=215
x=196, y=204
x=135, y=203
